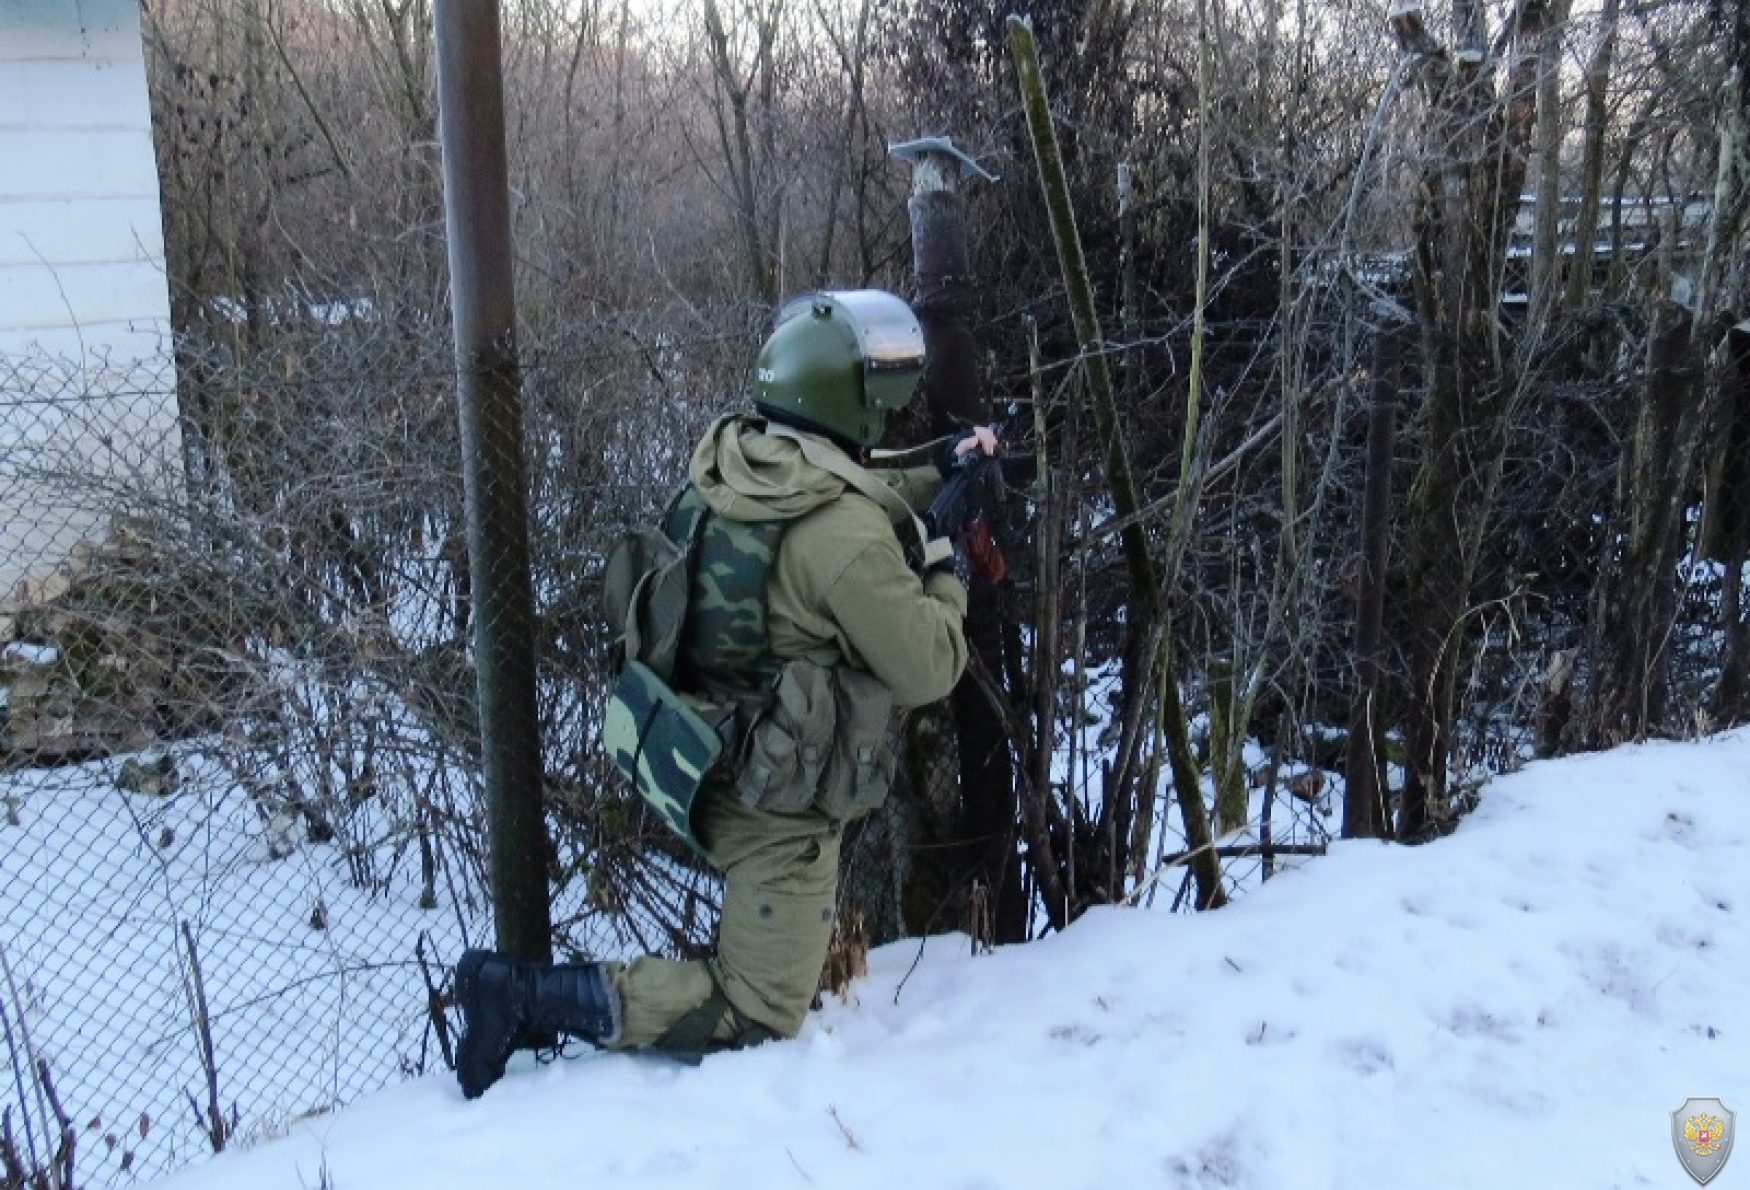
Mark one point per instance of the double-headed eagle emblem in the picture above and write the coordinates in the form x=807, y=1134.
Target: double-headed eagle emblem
x=1702, y=1134
x=1702, y=1131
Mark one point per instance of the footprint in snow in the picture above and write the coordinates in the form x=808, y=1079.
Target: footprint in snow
x=1365, y=1056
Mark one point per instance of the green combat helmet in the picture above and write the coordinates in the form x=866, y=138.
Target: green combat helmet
x=841, y=361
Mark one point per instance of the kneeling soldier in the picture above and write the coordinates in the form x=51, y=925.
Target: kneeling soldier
x=815, y=607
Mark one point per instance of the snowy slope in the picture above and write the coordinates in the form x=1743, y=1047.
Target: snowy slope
x=1522, y=1004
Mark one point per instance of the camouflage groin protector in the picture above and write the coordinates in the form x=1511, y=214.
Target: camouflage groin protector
x=663, y=746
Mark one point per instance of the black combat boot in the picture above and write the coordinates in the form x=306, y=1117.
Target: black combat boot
x=508, y=1005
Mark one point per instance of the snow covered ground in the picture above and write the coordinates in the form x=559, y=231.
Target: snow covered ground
x=1522, y=1004
x=312, y=987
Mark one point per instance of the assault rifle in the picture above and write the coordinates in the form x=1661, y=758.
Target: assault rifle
x=972, y=489
x=964, y=509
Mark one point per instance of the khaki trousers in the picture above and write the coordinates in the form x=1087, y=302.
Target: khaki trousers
x=780, y=890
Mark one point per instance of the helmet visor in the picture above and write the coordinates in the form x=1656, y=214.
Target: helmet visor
x=886, y=348
x=891, y=343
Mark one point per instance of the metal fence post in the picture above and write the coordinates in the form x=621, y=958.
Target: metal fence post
x=477, y=209
x=956, y=399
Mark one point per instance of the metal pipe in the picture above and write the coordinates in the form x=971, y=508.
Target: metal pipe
x=477, y=209
x=955, y=398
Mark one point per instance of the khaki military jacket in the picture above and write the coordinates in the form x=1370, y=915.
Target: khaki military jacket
x=840, y=579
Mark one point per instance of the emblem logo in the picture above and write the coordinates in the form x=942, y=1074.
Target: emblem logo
x=1702, y=1131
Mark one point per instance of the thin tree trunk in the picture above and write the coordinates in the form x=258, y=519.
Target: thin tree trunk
x=1631, y=622
x=1145, y=604
x=746, y=154
x=1475, y=162
x=1731, y=510
x=1637, y=593
x=1226, y=738
x=1053, y=508
x=1728, y=700
x=1451, y=297
x=1364, y=814
x=1594, y=126
x=1546, y=256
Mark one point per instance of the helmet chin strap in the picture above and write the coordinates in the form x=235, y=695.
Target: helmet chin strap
x=911, y=456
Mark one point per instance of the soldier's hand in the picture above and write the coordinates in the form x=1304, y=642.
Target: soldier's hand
x=982, y=438
x=951, y=450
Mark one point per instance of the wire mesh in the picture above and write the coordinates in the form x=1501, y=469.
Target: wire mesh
x=226, y=848
x=239, y=751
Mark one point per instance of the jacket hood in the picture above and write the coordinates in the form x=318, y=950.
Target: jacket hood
x=745, y=474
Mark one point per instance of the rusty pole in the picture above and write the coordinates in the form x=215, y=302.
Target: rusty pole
x=955, y=398
x=477, y=210
x=945, y=298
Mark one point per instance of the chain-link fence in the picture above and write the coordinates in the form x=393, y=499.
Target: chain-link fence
x=226, y=858
x=240, y=754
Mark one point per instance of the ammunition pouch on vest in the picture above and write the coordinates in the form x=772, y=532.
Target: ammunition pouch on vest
x=701, y=696
x=821, y=743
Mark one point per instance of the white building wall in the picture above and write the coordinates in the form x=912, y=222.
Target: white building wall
x=87, y=404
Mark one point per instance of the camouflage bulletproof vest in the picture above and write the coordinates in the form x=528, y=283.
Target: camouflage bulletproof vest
x=700, y=692
x=725, y=650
